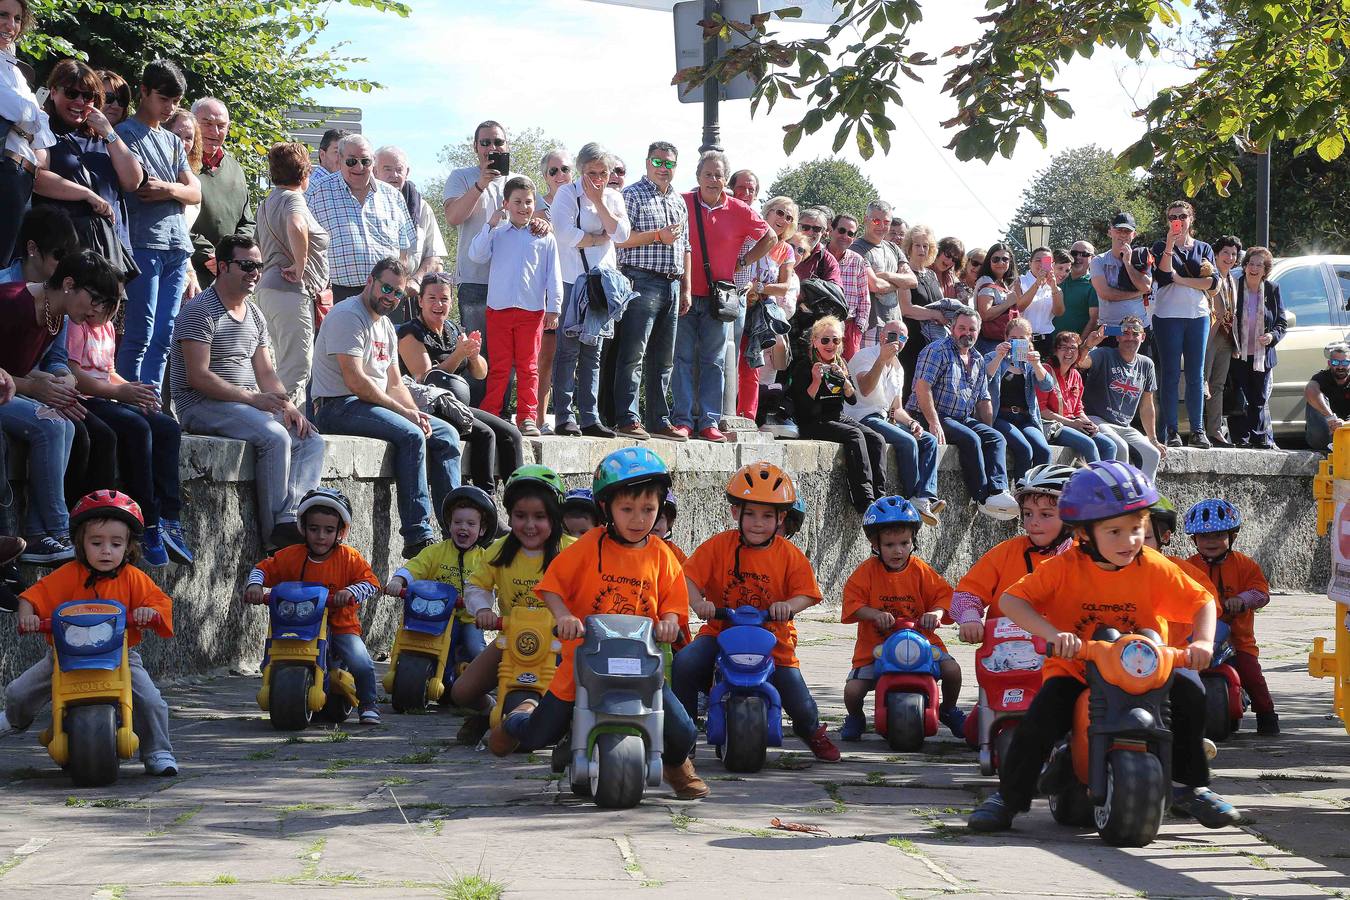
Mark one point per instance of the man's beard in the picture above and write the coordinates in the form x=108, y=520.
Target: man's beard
x=965, y=341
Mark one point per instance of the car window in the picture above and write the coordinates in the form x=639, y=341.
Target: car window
x=1343, y=279
x=1304, y=293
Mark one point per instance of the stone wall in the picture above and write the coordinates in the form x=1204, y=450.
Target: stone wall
x=214, y=630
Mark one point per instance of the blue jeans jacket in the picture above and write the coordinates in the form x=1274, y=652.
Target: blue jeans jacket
x=590, y=326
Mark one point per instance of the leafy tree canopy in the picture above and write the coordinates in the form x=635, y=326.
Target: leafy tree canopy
x=836, y=183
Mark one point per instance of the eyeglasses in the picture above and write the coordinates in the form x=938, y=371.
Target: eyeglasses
x=1002, y=259
x=112, y=98
x=554, y=170
x=1339, y=363
x=492, y=142
x=1177, y=217
x=845, y=232
x=812, y=229
x=1132, y=333
x=73, y=94
x=783, y=214
x=881, y=222
x=246, y=265
x=662, y=163
x=1080, y=254
x=829, y=339
x=620, y=171
x=352, y=162
x=388, y=289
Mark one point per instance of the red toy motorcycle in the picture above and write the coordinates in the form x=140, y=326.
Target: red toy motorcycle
x=1008, y=669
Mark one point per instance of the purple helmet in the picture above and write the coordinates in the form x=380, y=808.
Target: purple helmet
x=1104, y=490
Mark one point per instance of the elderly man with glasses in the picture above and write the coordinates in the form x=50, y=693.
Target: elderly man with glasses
x=1080, y=300
x=852, y=278
x=366, y=219
x=1328, y=396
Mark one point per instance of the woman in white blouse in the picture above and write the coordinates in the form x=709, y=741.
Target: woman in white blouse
x=28, y=134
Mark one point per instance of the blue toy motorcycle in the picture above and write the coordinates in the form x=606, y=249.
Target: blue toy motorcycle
x=429, y=649
x=299, y=678
x=745, y=713
x=907, y=687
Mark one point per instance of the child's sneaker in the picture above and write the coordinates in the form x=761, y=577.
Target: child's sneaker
x=502, y=742
x=1268, y=723
x=954, y=718
x=473, y=729
x=161, y=763
x=152, y=547
x=48, y=549
x=175, y=542
x=370, y=715
x=822, y=747
x=685, y=781
x=854, y=726
x=991, y=815
x=1205, y=806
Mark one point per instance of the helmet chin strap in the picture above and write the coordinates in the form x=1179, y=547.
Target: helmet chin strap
x=1055, y=547
x=742, y=542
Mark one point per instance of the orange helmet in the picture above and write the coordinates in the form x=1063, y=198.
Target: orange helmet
x=761, y=482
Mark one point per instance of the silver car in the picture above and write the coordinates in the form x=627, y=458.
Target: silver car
x=1315, y=291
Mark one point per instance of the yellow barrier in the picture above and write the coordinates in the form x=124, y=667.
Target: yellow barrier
x=1331, y=490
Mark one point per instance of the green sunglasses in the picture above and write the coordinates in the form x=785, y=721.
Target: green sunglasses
x=660, y=163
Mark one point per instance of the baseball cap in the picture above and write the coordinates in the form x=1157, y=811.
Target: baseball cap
x=1124, y=220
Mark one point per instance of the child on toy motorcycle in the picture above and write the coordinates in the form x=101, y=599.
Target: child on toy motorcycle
x=895, y=584
x=1109, y=579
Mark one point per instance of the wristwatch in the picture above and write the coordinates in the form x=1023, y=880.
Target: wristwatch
x=112, y=138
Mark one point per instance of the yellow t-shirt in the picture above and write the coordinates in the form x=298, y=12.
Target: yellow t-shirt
x=443, y=562
x=513, y=584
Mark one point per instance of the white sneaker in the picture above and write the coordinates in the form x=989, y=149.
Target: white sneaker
x=925, y=508
x=161, y=763
x=1000, y=506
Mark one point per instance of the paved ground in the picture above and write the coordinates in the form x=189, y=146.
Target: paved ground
x=399, y=810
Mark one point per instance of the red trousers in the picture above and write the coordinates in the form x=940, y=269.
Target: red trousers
x=747, y=386
x=852, y=338
x=1253, y=682
x=513, y=337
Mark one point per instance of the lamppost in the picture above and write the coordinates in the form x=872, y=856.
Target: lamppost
x=1037, y=231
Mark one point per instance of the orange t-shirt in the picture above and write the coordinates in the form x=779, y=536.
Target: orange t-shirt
x=907, y=594
x=132, y=588
x=1237, y=573
x=769, y=574
x=1002, y=566
x=1074, y=594
x=1180, y=636
x=343, y=568
x=679, y=554
x=595, y=578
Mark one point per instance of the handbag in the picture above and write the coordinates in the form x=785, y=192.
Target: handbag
x=724, y=299
x=595, y=283
x=97, y=233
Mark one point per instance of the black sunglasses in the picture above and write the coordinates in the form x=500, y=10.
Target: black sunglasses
x=112, y=97
x=246, y=265
x=554, y=170
x=621, y=172
x=829, y=339
x=845, y=232
x=73, y=94
x=492, y=142
x=811, y=229
x=1177, y=217
x=1001, y=259
x=1080, y=254
x=352, y=162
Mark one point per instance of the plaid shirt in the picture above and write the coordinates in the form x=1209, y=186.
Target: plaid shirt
x=360, y=235
x=649, y=210
x=853, y=276
x=956, y=388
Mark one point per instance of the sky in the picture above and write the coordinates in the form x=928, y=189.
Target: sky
x=588, y=71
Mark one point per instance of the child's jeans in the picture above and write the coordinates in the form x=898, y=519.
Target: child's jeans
x=513, y=337
x=353, y=652
x=693, y=669
x=30, y=692
x=1051, y=716
x=552, y=719
x=1253, y=682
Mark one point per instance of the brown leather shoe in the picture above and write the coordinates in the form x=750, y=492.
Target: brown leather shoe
x=500, y=741
x=634, y=431
x=685, y=781
x=10, y=548
x=671, y=433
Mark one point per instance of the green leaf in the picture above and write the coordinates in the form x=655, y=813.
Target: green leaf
x=1331, y=147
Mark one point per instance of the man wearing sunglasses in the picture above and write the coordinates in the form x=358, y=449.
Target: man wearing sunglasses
x=888, y=270
x=816, y=261
x=222, y=383
x=366, y=219
x=1080, y=300
x=853, y=279
x=656, y=260
x=226, y=207
x=357, y=389
x=1328, y=396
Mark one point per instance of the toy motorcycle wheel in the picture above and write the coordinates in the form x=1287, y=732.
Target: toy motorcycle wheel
x=410, y=682
x=747, y=735
x=1218, y=721
x=1002, y=741
x=288, y=703
x=1136, y=796
x=904, y=722
x=618, y=770
x=93, y=745
x=1072, y=807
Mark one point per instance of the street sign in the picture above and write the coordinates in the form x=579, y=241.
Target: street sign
x=308, y=123
x=815, y=12
x=689, y=46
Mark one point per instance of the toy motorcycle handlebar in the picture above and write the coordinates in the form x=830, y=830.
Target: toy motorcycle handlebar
x=724, y=613
x=1091, y=651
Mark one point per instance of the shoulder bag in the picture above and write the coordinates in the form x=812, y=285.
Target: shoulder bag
x=723, y=298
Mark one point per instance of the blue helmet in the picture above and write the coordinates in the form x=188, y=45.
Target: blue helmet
x=628, y=466
x=1212, y=516
x=580, y=500
x=890, y=511
x=1104, y=490
x=795, y=518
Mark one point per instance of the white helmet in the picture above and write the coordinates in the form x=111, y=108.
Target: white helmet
x=1048, y=479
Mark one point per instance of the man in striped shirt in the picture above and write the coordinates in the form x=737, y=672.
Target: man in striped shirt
x=853, y=279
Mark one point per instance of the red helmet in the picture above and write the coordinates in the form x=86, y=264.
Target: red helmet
x=108, y=505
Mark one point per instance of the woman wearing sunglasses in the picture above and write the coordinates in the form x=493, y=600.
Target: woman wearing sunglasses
x=1184, y=272
x=947, y=266
x=998, y=297
x=820, y=385
x=771, y=277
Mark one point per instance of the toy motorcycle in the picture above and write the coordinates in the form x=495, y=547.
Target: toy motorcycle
x=299, y=679
x=1225, y=700
x=616, y=737
x=529, y=657
x=424, y=660
x=1008, y=670
x=745, y=713
x=91, y=730
x=907, y=687
x=1114, y=771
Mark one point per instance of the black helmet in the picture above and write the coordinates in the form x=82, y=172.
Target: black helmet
x=476, y=497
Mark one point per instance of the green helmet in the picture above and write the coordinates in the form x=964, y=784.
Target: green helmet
x=1163, y=515
x=533, y=473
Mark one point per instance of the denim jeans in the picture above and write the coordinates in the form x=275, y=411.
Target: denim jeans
x=472, y=300
x=48, y=437
x=16, y=189
x=1181, y=341
x=981, y=449
x=466, y=642
x=1315, y=431
x=1127, y=438
x=147, y=450
x=915, y=458
x=414, y=455
x=646, y=342
x=576, y=369
x=1089, y=448
x=354, y=653
x=552, y=719
x=285, y=467
x=700, y=354
x=692, y=672
x=152, y=305
x=1026, y=442
x=9, y=524
x=1253, y=387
